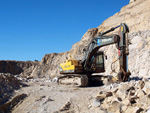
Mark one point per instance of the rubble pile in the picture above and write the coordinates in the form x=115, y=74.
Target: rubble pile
x=128, y=97
x=8, y=83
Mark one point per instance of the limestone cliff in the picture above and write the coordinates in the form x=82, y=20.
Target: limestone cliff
x=137, y=16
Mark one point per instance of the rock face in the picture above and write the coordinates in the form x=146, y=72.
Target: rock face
x=139, y=62
x=49, y=66
x=135, y=15
x=15, y=67
x=138, y=59
x=52, y=59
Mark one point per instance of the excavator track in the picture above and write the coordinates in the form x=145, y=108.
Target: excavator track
x=74, y=80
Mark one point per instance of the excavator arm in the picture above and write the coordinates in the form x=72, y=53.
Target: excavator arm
x=102, y=40
x=95, y=45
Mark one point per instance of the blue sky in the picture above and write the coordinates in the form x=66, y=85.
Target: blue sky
x=29, y=29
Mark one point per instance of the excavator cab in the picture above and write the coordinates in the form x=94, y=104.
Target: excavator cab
x=98, y=62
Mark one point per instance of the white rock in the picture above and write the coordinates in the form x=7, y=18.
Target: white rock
x=55, y=79
x=148, y=110
x=95, y=103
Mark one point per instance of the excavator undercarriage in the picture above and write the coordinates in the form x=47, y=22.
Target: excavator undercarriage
x=75, y=80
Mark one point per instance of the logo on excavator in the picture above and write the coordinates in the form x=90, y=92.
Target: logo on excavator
x=107, y=40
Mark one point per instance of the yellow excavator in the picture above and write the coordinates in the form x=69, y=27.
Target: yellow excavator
x=79, y=73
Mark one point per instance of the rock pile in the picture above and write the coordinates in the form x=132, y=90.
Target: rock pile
x=128, y=97
x=7, y=107
x=8, y=83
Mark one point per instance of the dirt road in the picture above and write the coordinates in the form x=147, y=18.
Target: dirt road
x=48, y=97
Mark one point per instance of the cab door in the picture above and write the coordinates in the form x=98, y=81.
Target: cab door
x=99, y=62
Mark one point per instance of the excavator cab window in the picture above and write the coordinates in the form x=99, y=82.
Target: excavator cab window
x=99, y=62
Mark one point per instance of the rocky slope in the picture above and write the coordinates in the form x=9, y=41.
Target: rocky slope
x=137, y=16
x=8, y=83
x=132, y=96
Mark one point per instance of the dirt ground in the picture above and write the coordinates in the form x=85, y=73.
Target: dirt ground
x=48, y=97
